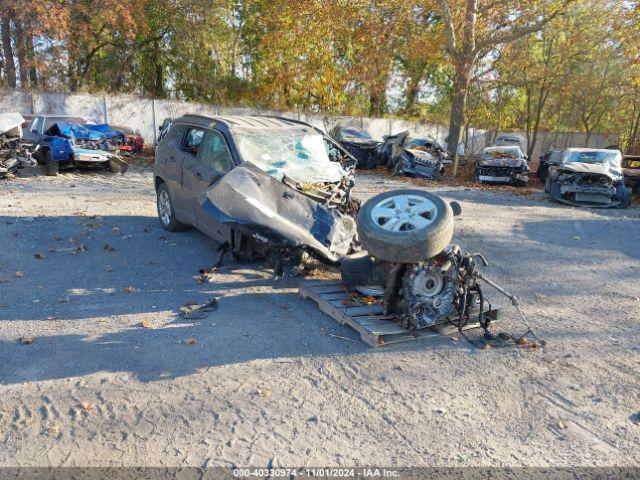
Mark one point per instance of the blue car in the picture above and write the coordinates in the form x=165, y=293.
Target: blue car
x=68, y=141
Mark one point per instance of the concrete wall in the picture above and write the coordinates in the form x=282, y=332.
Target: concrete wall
x=146, y=115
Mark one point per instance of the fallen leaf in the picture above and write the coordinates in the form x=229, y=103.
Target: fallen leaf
x=561, y=425
x=522, y=341
x=86, y=406
x=487, y=346
x=108, y=248
x=19, y=274
x=64, y=300
x=145, y=323
x=191, y=341
x=25, y=340
x=129, y=289
x=127, y=237
x=264, y=393
x=51, y=317
x=576, y=237
x=39, y=256
x=53, y=431
x=116, y=229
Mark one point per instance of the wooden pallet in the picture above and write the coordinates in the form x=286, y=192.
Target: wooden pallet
x=375, y=328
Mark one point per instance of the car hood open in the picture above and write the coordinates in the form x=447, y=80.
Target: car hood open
x=262, y=207
x=10, y=121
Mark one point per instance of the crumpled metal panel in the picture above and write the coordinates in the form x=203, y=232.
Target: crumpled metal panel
x=266, y=209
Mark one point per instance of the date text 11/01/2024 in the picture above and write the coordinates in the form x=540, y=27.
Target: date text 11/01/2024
x=370, y=472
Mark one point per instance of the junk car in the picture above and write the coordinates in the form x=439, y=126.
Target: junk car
x=68, y=141
x=15, y=152
x=133, y=141
x=552, y=157
x=511, y=139
x=506, y=164
x=631, y=172
x=278, y=188
x=588, y=177
x=358, y=143
x=404, y=154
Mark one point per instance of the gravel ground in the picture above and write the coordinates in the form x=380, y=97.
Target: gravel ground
x=113, y=376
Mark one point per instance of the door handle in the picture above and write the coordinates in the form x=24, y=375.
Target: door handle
x=198, y=174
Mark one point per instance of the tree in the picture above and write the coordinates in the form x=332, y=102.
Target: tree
x=472, y=31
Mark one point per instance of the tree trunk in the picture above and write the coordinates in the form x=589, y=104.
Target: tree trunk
x=158, y=80
x=22, y=54
x=8, y=52
x=456, y=120
x=31, y=55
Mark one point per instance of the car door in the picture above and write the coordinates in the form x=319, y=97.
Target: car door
x=35, y=130
x=211, y=162
x=168, y=166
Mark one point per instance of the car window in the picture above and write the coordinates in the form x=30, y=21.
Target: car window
x=192, y=140
x=215, y=154
x=37, y=125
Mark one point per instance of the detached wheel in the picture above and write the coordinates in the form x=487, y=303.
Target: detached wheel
x=51, y=167
x=166, y=212
x=405, y=226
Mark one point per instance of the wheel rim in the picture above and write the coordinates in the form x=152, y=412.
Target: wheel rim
x=164, y=207
x=403, y=213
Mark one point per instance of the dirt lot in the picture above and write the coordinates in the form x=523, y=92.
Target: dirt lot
x=111, y=376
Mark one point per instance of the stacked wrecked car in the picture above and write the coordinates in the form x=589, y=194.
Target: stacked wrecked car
x=15, y=153
x=66, y=142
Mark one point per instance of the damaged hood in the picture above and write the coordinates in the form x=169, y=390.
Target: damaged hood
x=501, y=162
x=262, y=207
x=589, y=168
x=11, y=121
x=421, y=154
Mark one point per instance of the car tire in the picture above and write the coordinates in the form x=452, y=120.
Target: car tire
x=361, y=269
x=52, y=168
x=166, y=212
x=405, y=226
x=625, y=197
x=554, y=191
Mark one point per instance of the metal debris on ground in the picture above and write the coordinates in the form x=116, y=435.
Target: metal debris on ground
x=196, y=311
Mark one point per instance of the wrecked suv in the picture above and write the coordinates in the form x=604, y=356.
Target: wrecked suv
x=588, y=177
x=261, y=185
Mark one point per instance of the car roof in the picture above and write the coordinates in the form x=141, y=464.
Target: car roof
x=243, y=122
x=582, y=149
x=497, y=148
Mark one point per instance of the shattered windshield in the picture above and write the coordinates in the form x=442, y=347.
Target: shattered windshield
x=299, y=155
x=421, y=143
x=613, y=158
x=355, y=133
